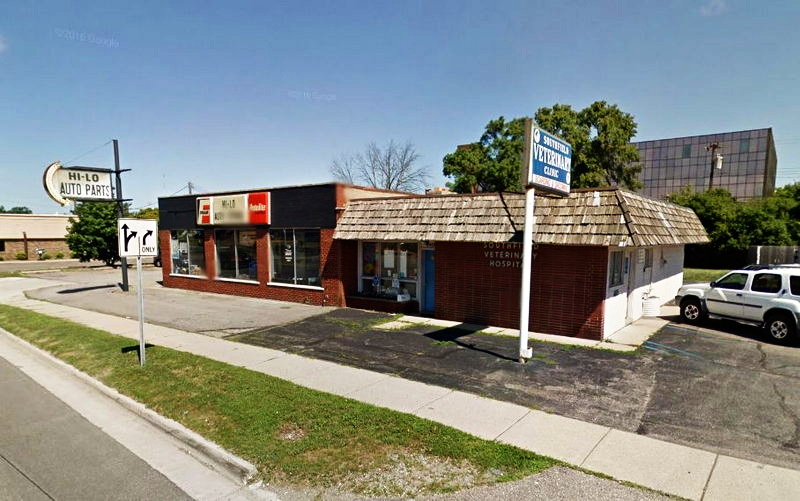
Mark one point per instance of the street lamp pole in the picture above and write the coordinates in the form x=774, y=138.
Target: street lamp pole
x=713, y=149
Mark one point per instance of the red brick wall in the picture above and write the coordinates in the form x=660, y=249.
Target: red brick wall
x=50, y=246
x=330, y=263
x=567, y=293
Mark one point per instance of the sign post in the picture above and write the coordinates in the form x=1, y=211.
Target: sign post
x=546, y=164
x=138, y=237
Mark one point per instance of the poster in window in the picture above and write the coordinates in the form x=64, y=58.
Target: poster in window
x=388, y=258
x=403, y=266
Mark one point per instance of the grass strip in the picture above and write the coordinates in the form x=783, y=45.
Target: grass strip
x=292, y=434
x=698, y=275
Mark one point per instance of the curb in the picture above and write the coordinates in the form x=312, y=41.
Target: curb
x=242, y=470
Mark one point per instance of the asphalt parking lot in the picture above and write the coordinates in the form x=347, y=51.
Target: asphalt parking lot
x=720, y=387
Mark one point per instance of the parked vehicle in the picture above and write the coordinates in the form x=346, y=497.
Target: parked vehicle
x=764, y=296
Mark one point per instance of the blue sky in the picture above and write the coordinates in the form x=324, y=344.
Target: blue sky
x=234, y=94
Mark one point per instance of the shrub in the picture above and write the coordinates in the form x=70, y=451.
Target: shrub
x=59, y=255
x=22, y=256
x=2, y=258
x=46, y=256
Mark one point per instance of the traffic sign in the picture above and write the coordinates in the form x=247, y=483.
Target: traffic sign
x=137, y=237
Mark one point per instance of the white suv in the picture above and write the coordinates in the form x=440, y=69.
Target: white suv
x=764, y=296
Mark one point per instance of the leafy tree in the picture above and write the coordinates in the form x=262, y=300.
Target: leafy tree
x=492, y=163
x=93, y=235
x=392, y=167
x=147, y=213
x=734, y=226
x=600, y=136
x=15, y=210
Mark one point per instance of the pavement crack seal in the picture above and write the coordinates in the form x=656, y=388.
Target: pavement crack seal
x=29, y=479
x=794, y=442
x=763, y=360
x=641, y=429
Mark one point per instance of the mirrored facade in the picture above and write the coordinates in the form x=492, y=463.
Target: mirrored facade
x=748, y=166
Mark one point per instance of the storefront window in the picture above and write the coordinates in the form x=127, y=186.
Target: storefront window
x=236, y=254
x=295, y=256
x=187, y=251
x=389, y=270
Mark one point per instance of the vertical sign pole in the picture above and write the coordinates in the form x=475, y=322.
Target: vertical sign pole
x=525, y=290
x=123, y=260
x=140, y=292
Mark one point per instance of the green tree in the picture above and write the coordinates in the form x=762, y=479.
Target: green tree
x=733, y=225
x=147, y=213
x=15, y=210
x=600, y=136
x=93, y=235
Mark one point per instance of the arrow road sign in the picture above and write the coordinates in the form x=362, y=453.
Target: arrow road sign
x=137, y=237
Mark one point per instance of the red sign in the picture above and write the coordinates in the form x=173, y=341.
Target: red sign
x=203, y=211
x=258, y=208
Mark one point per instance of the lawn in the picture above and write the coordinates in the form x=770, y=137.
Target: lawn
x=696, y=275
x=294, y=435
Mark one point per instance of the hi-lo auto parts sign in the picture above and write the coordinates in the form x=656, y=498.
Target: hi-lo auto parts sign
x=77, y=183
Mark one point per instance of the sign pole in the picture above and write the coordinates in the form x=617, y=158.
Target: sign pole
x=526, y=352
x=118, y=172
x=140, y=294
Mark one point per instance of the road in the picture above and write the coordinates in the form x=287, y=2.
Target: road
x=49, y=451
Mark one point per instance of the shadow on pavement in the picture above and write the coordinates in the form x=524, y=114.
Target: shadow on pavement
x=453, y=335
x=86, y=289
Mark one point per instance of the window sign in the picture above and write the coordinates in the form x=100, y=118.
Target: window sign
x=295, y=256
x=388, y=258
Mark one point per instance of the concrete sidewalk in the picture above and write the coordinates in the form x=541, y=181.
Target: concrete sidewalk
x=670, y=468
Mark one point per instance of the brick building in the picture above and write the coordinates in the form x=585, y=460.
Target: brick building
x=24, y=233
x=456, y=257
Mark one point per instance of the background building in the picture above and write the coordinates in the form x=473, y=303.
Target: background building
x=24, y=233
x=748, y=167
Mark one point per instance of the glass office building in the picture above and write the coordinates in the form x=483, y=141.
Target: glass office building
x=748, y=166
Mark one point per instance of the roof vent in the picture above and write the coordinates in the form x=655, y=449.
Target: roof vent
x=595, y=199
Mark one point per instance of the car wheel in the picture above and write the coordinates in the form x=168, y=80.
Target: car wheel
x=691, y=310
x=781, y=328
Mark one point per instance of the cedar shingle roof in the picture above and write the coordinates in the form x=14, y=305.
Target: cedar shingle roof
x=606, y=217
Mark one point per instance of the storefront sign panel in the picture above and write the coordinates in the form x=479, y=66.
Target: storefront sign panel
x=258, y=208
x=229, y=209
x=240, y=209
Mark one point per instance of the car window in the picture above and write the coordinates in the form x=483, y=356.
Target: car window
x=733, y=281
x=766, y=282
x=794, y=285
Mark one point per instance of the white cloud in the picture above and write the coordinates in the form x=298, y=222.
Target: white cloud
x=3, y=44
x=714, y=7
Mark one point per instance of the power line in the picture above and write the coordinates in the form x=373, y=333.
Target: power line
x=88, y=152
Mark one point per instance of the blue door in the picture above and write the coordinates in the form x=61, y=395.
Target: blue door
x=428, y=279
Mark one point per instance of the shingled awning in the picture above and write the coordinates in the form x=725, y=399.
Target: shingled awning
x=605, y=217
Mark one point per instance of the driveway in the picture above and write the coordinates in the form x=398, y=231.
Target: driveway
x=719, y=388
x=724, y=393
x=216, y=315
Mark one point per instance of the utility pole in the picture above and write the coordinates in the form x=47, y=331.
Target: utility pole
x=713, y=149
x=120, y=211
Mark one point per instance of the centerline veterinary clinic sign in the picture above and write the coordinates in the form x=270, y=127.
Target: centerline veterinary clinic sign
x=77, y=183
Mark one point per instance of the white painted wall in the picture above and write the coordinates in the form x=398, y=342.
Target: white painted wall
x=624, y=303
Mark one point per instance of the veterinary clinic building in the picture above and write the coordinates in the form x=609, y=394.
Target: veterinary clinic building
x=598, y=254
